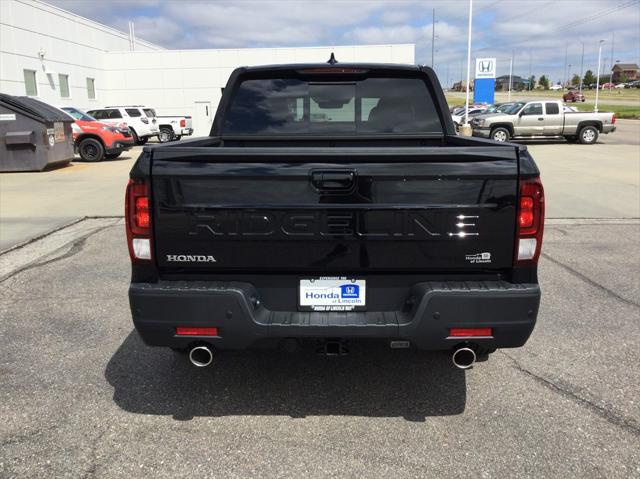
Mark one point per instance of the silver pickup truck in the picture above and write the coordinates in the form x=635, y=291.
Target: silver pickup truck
x=543, y=119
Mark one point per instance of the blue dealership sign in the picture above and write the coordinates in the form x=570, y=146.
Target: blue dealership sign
x=484, y=84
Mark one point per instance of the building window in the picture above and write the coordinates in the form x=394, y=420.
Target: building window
x=91, y=88
x=64, y=85
x=30, y=82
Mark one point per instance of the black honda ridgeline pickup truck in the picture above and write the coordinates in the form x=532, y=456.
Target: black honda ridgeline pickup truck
x=333, y=203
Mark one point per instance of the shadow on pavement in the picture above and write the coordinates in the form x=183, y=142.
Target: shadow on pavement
x=372, y=381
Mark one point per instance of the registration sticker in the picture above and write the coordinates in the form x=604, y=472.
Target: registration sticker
x=332, y=294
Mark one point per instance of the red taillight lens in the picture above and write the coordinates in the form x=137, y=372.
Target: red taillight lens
x=182, y=331
x=142, y=212
x=470, y=332
x=526, y=212
x=613, y=119
x=183, y=123
x=530, y=221
x=138, y=220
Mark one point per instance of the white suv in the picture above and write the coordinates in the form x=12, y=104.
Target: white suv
x=141, y=126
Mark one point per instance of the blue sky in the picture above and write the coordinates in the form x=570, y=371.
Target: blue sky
x=536, y=32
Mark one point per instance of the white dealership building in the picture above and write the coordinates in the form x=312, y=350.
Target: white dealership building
x=65, y=59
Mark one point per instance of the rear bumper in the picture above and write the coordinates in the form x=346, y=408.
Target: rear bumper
x=242, y=321
x=608, y=129
x=187, y=132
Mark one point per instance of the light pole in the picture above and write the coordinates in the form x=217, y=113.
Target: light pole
x=598, y=76
x=569, y=76
x=466, y=129
x=510, y=75
x=581, y=67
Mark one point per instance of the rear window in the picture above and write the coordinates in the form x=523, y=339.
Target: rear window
x=552, y=108
x=150, y=112
x=133, y=112
x=293, y=105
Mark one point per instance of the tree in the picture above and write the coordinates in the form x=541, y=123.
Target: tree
x=544, y=82
x=589, y=78
x=532, y=82
x=623, y=78
x=575, y=80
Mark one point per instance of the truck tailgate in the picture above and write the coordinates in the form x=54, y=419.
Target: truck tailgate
x=325, y=210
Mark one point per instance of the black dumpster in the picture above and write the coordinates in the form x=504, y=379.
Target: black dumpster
x=33, y=135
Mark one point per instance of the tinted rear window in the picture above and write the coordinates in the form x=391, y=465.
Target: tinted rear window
x=133, y=112
x=370, y=105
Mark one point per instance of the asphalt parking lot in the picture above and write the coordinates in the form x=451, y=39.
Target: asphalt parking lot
x=81, y=396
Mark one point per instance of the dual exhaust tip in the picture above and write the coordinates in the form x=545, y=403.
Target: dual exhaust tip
x=202, y=356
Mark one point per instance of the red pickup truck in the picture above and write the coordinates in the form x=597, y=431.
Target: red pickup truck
x=94, y=140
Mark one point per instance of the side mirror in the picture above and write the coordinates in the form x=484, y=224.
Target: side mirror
x=521, y=112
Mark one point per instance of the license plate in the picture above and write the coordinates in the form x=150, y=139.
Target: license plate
x=332, y=294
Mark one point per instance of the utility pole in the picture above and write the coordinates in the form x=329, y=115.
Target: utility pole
x=613, y=39
x=466, y=129
x=433, y=35
x=569, y=75
x=510, y=74
x=598, y=77
x=582, y=67
x=530, y=69
x=566, y=51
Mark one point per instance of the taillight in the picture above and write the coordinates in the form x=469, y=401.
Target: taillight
x=183, y=123
x=613, y=119
x=530, y=221
x=138, y=220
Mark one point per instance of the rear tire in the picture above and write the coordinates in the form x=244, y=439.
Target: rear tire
x=500, y=134
x=165, y=135
x=588, y=135
x=91, y=150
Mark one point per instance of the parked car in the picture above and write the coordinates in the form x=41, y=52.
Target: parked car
x=95, y=140
x=634, y=84
x=282, y=227
x=142, y=127
x=621, y=85
x=459, y=114
x=543, y=119
x=573, y=96
x=555, y=87
x=172, y=128
x=606, y=86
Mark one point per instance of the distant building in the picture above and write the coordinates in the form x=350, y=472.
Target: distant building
x=462, y=86
x=517, y=83
x=629, y=70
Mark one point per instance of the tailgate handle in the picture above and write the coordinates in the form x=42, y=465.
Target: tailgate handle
x=333, y=180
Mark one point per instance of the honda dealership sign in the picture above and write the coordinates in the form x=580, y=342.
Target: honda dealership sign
x=484, y=84
x=485, y=68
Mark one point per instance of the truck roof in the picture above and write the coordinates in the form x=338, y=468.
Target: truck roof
x=335, y=66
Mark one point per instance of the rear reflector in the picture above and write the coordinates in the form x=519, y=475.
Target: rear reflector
x=196, y=331
x=470, y=332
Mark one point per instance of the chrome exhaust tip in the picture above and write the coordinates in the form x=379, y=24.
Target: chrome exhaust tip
x=201, y=356
x=463, y=358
